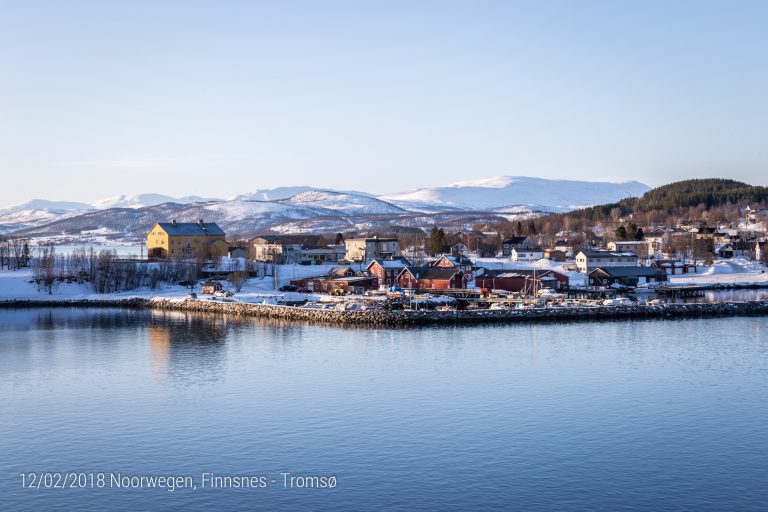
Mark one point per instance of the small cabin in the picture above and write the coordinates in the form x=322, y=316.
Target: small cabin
x=211, y=287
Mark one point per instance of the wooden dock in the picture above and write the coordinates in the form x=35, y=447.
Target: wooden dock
x=680, y=292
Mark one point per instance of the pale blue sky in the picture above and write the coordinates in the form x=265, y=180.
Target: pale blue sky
x=222, y=97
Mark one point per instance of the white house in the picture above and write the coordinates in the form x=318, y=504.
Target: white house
x=532, y=254
x=588, y=260
x=515, y=242
x=657, y=240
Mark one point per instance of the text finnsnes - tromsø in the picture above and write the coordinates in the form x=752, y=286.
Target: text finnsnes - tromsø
x=171, y=483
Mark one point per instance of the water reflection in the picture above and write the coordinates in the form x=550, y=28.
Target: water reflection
x=189, y=348
x=725, y=296
x=652, y=415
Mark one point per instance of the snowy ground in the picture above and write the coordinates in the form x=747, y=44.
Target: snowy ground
x=18, y=285
x=737, y=271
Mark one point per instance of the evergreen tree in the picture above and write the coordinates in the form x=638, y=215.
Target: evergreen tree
x=436, y=242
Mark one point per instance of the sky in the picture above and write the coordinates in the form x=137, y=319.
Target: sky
x=224, y=97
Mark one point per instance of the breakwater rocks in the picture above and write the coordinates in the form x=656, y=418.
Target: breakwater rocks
x=380, y=317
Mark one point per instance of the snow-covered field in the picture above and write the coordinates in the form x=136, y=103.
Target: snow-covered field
x=734, y=272
x=18, y=285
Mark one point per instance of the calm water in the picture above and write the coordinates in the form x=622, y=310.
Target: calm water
x=655, y=415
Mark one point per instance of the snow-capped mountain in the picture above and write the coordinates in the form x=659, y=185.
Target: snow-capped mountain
x=347, y=204
x=38, y=212
x=294, y=209
x=276, y=194
x=143, y=200
x=515, y=191
x=43, y=204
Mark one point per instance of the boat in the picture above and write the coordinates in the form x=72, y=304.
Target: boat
x=618, y=301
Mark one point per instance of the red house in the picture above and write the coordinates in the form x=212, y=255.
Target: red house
x=431, y=278
x=387, y=270
x=460, y=262
x=521, y=280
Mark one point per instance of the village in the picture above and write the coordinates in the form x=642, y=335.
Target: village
x=477, y=269
x=647, y=264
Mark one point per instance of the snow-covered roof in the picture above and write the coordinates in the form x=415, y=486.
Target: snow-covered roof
x=391, y=263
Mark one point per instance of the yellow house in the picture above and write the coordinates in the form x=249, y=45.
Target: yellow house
x=186, y=240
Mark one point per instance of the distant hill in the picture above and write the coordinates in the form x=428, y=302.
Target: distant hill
x=293, y=209
x=710, y=192
x=520, y=192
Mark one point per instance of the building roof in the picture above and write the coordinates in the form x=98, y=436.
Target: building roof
x=723, y=247
x=341, y=271
x=372, y=239
x=306, y=241
x=629, y=271
x=191, y=228
x=434, y=273
x=398, y=262
x=456, y=261
x=501, y=273
x=607, y=254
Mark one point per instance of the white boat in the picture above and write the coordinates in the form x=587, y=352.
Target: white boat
x=618, y=301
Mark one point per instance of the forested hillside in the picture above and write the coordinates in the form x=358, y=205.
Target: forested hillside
x=710, y=193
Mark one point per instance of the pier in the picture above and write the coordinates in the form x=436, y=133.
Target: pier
x=681, y=292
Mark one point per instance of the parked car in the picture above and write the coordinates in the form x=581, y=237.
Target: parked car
x=289, y=288
x=222, y=294
x=191, y=295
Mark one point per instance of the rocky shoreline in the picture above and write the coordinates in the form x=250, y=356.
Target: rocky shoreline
x=383, y=318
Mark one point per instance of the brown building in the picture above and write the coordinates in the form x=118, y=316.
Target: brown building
x=555, y=255
x=521, y=280
x=431, y=278
x=328, y=284
x=211, y=287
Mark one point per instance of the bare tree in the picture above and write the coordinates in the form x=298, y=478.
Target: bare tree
x=44, y=267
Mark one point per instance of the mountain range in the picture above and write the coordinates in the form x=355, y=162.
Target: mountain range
x=310, y=209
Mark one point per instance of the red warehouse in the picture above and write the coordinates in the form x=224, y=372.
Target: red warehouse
x=431, y=278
